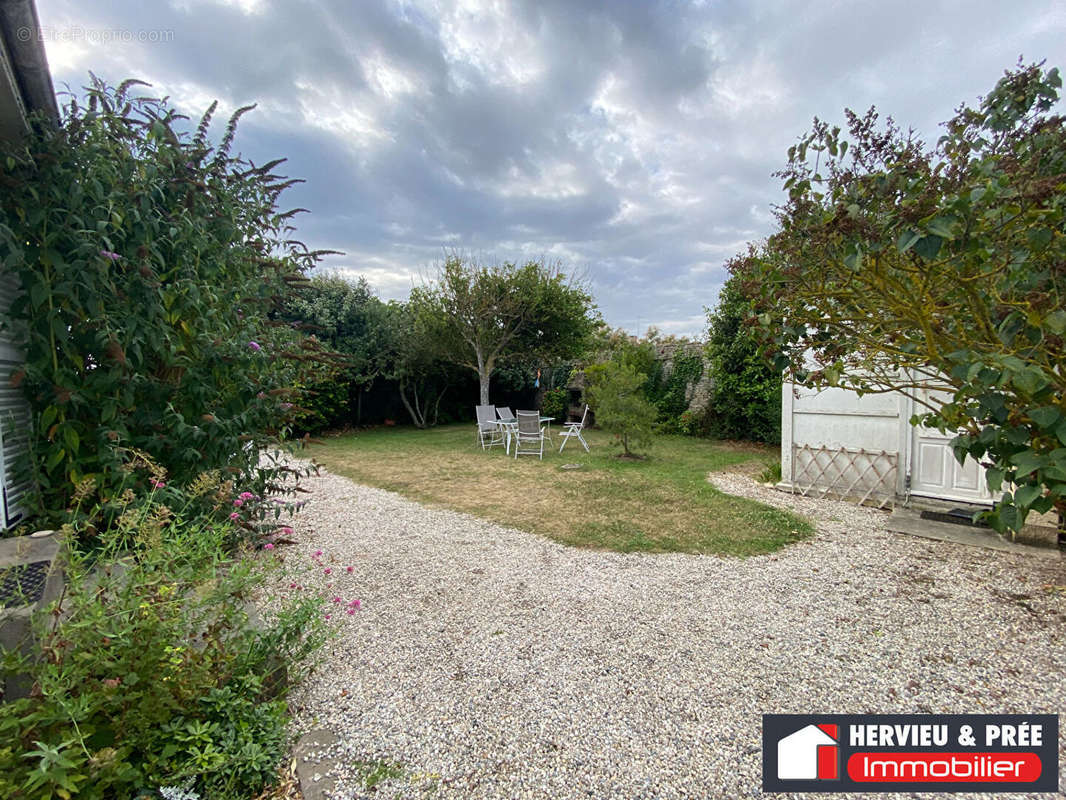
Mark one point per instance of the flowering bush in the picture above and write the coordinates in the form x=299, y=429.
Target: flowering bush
x=151, y=262
x=155, y=673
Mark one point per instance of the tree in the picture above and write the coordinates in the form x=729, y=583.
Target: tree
x=615, y=392
x=416, y=366
x=481, y=316
x=747, y=388
x=349, y=319
x=899, y=268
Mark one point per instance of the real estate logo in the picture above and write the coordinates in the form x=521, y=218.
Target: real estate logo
x=910, y=752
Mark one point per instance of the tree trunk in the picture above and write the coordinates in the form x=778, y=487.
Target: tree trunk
x=484, y=372
x=414, y=411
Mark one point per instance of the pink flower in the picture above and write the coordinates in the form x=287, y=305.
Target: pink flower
x=110, y=255
x=329, y=616
x=287, y=531
x=254, y=346
x=337, y=600
x=349, y=570
x=286, y=406
x=317, y=553
x=238, y=502
x=268, y=546
x=158, y=484
x=351, y=610
x=355, y=604
x=234, y=516
x=292, y=585
x=327, y=571
x=246, y=496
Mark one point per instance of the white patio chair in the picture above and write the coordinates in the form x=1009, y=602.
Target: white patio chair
x=529, y=436
x=489, y=433
x=572, y=430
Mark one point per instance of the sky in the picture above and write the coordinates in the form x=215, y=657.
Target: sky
x=635, y=142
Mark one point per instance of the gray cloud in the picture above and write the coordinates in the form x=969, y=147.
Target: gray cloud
x=634, y=140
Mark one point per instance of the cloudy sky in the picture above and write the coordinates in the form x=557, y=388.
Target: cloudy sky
x=634, y=141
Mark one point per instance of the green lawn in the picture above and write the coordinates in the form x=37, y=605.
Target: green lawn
x=663, y=503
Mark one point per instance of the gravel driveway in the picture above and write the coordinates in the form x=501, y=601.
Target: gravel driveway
x=491, y=663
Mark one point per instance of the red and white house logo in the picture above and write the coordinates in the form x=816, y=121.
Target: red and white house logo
x=811, y=753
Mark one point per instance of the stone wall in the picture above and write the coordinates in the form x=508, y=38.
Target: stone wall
x=698, y=394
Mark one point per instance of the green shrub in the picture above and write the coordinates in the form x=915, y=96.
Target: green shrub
x=153, y=673
x=553, y=403
x=746, y=402
x=615, y=393
x=150, y=261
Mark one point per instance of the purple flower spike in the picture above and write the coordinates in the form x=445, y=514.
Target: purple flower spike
x=109, y=254
x=255, y=346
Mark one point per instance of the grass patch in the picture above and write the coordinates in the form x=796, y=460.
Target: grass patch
x=659, y=504
x=371, y=773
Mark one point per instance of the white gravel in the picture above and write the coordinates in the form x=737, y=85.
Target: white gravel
x=491, y=663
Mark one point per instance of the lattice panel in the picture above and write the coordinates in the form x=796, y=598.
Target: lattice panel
x=864, y=476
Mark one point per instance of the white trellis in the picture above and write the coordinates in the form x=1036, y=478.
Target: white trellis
x=863, y=476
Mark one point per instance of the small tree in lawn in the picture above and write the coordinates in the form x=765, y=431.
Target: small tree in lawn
x=481, y=316
x=902, y=269
x=615, y=392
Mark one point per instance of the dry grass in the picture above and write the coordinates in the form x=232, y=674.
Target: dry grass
x=662, y=503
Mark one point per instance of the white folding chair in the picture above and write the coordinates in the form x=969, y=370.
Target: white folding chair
x=573, y=430
x=529, y=435
x=489, y=433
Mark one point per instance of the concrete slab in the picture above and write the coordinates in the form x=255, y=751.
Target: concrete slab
x=909, y=521
x=315, y=767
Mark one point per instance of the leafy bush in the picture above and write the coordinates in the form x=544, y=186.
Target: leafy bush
x=150, y=261
x=747, y=390
x=553, y=403
x=153, y=672
x=615, y=393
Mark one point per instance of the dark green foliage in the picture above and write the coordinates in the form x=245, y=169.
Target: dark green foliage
x=898, y=268
x=670, y=374
x=553, y=403
x=746, y=402
x=356, y=327
x=154, y=675
x=615, y=392
x=150, y=262
x=668, y=388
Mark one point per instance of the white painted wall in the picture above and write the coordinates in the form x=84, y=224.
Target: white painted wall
x=838, y=418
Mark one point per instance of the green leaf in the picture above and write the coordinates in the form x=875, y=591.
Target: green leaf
x=942, y=226
x=48, y=416
x=71, y=439
x=928, y=246
x=1025, y=495
x=1056, y=322
x=906, y=240
x=1039, y=238
x=994, y=478
x=1045, y=416
x=1029, y=381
